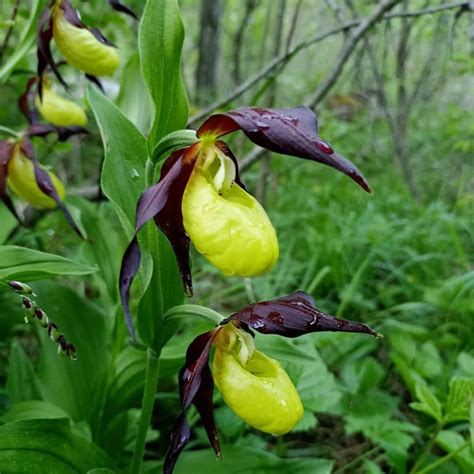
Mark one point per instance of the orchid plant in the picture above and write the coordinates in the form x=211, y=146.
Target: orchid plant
x=199, y=197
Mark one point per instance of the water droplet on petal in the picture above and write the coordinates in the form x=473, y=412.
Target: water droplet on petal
x=324, y=146
x=262, y=125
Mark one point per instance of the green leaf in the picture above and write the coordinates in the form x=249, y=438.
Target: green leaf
x=19, y=263
x=160, y=42
x=172, y=142
x=457, y=406
x=428, y=402
x=123, y=174
x=25, y=42
x=101, y=471
x=361, y=375
x=126, y=388
x=104, y=247
x=164, y=291
x=240, y=459
x=451, y=442
x=22, y=383
x=372, y=468
x=31, y=409
x=47, y=446
x=8, y=221
x=133, y=99
x=78, y=387
x=428, y=361
x=409, y=375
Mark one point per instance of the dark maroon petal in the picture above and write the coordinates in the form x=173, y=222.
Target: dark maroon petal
x=287, y=131
x=45, y=57
x=43, y=130
x=205, y=406
x=162, y=202
x=190, y=376
x=228, y=152
x=179, y=438
x=6, y=149
x=293, y=316
x=72, y=16
x=26, y=101
x=95, y=81
x=170, y=217
x=195, y=386
x=120, y=7
x=46, y=185
x=130, y=265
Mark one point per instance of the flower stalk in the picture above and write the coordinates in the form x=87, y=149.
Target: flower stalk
x=33, y=313
x=151, y=383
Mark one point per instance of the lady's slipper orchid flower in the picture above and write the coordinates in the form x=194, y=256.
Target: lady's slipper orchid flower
x=22, y=173
x=58, y=111
x=200, y=197
x=254, y=386
x=84, y=48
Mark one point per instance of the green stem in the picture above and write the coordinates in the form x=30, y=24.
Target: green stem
x=151, y=382
x=444, y=458
x=8, y=131
x=184, y=310
x=426, y=450
x=358, y=459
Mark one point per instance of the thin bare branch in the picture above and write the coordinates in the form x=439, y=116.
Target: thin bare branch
x=429, y=10
x=335, y=8
x=346, y=50
x=294, y=23
x=250, y=6
x=283, y=59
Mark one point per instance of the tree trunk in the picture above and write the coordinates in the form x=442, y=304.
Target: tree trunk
x=209, y=48
x=265, y=164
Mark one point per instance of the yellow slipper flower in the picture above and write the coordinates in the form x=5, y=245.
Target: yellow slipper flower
x=253, y=385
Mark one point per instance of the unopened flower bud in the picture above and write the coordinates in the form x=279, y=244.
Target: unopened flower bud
x=21, y=288
x=81, y=48
x=60, y=111
x=22, y=181
x=42, y=317
x=71, y=351
x=29, y=307
x=53, y=332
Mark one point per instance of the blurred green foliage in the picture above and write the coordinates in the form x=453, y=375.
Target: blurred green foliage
x=404, y=266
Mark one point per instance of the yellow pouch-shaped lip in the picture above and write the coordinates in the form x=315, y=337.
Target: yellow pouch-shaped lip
x=260, y=392
x=59, y=111
x=82, y=49
x=230, y=229
x=21, y=180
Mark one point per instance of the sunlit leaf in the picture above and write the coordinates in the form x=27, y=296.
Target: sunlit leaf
x=161, y=38
x=19, y=263
x=47, y=446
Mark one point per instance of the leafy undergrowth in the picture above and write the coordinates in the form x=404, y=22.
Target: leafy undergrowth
x=400, y=404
